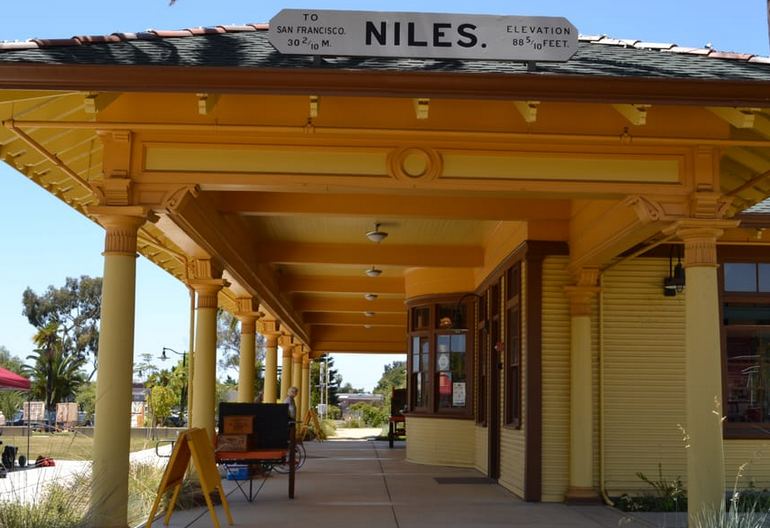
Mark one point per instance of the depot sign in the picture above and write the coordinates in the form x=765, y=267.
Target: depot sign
x=422, y=35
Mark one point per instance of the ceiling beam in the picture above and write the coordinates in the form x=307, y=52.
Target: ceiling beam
x=365, y=254
x=348, y=304
x=390, y=206
x=354, y=319
x=198, y=219
x=320, y=347
x=359, y=334
x=295, y=283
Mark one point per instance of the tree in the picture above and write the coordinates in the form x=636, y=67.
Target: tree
x=228, y=339
x=75, y=309
x=335, y=379
x=347, y=388
x=372, y=415
x=55, y=374
x=86, y=399
x=10, y=401
x=393, y=377
x=161, y=400
x=9, y=361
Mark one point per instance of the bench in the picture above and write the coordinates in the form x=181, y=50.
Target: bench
x=270, y=442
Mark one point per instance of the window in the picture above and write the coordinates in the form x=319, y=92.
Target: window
x=513, y=347
x=746, y=339
x=439, y=369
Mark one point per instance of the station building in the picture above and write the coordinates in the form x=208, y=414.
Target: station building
x=570, y=255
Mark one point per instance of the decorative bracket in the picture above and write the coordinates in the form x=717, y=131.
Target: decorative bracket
x=636, y=114
x=421, y=108
x=97, y=102
x=736, y=116
x=206, y=103
x=527, y=109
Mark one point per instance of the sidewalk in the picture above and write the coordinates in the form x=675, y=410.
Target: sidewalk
x=363, y=483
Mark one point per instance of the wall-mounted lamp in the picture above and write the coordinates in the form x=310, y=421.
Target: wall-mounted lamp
x=675, y=281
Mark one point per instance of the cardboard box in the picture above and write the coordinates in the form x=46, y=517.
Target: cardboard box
x=233, y=443
x=239, y=425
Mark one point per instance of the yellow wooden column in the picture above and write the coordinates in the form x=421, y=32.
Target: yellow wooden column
x=109, y=491
x=305, y=389
x=296, y=371
x=248, y=358
x=205, y=371
x=581, y=467
x=287, y=348
x=269, y=330
x=705, y=456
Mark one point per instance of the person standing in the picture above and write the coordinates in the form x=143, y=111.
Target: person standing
x=290, y=395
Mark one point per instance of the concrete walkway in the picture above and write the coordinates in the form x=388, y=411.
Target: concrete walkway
x=363, y=483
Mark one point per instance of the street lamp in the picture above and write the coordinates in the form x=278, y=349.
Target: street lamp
x=183, y=396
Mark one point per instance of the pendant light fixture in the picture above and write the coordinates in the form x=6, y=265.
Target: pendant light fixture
x=376, y=235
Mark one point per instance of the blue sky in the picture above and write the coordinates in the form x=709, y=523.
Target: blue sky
x=44, y=241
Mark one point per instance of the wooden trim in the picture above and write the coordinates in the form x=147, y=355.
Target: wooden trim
x=526, y=248
x=533, y=458
x=415, y=414
x=372, y=83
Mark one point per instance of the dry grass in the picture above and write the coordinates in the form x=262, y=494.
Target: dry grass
x=64, y=446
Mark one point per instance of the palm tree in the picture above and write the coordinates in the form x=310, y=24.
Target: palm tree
x=56, y=374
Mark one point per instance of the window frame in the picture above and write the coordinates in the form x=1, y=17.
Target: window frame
x=432, y=333
x=513, y=346
x=739, y=430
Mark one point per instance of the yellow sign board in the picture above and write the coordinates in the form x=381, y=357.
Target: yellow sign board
x=195, y=444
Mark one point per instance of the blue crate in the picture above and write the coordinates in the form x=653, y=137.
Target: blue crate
x=238, y=472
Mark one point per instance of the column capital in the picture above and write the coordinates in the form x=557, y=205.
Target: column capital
x=580, y=298
x=306, y=361
x=121, y=225
x=269, y=328
x=207, y=290
x=205, y=269
x=285, y=341
x=297, y=355
x=700, y=239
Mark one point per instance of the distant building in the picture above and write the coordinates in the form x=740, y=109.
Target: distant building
x=348, y=399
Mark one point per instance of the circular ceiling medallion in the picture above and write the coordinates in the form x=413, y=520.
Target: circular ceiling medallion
x=412, y=163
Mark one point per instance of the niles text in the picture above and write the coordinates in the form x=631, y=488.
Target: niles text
x=440, y=35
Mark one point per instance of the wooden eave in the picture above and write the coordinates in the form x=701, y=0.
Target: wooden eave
x=340, y=82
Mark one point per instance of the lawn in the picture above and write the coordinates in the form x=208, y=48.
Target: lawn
x=63, y=446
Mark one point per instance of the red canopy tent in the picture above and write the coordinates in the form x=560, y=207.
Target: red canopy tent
x=12, y=381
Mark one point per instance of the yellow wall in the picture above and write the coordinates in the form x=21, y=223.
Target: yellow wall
x=644, y=364
x=437, y=441
x=555, y=361
x=644, y=385
x=481, y=448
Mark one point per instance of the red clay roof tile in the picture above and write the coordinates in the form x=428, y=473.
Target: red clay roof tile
x=235, y=28
x=260, y=27
x=125, y=36
x=18, y=45
x=730, y=55
x=166, y=33
x=654, y=45
x=50, y=43
x=96, y=39
x=690, y=51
